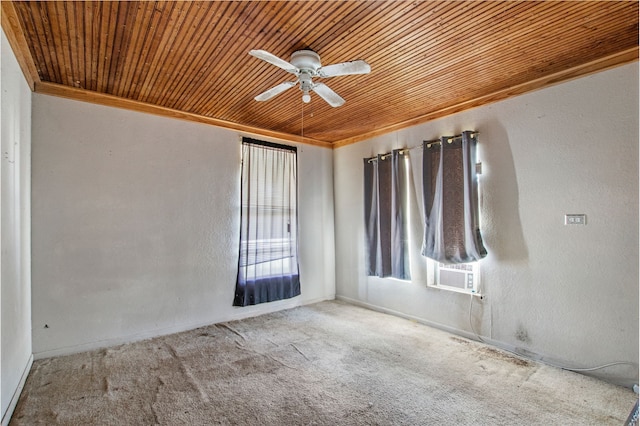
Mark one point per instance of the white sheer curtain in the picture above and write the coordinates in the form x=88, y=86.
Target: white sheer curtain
x=268, y=261
x=446, y=182
x=385, y=192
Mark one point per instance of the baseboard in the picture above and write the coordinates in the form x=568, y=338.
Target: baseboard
x=237, y=314
x=6, y=417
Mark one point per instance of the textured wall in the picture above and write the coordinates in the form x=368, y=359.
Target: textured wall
x=136, y=225
x=15, y=167
x=568, y=293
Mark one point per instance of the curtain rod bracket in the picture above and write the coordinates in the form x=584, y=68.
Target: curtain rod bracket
x=449, y=139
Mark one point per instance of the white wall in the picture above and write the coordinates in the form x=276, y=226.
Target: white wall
x=136, y=226
x=15, y=168
x=565, y=293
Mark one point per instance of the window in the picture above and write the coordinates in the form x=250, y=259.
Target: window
x=452, y=243
x=268, y=258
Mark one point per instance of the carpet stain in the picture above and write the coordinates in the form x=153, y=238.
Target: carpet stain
x=496, y=354
x=459, y=340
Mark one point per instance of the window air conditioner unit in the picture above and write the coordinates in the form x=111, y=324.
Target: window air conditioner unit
x=460, y=276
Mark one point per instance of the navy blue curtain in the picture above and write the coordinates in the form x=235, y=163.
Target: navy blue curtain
x=385, y=214
x=448, y=187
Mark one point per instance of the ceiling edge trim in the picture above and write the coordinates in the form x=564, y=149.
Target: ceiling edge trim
x=18, y=43
x=611, y=61
x=84, y=95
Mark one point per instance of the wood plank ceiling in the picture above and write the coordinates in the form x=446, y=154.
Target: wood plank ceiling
x=428, y=58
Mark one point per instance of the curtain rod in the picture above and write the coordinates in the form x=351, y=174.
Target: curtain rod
x=429, y=143
x=449, y=139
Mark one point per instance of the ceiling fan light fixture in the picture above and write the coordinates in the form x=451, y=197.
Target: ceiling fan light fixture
x=306, y=97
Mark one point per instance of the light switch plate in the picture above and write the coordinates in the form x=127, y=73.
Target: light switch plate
x=575, y=219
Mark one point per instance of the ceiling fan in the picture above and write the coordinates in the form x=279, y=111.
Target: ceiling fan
x=305, y=65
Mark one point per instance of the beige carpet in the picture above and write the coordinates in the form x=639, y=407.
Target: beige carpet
x=325, y=364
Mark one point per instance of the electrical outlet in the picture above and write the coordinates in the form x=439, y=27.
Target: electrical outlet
x=575, y=219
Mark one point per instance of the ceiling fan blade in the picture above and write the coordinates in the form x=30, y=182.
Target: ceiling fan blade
x=274, y=91
x=274, y=60
x=328, y=95
x=345, y=68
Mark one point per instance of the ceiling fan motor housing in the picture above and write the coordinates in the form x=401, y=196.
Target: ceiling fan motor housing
x=306, y=60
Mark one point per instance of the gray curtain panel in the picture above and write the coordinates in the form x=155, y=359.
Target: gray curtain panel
x=448, y=187
x=385, y=194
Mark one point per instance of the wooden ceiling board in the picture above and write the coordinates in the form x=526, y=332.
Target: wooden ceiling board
x=190, y=60
x=445, y=81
